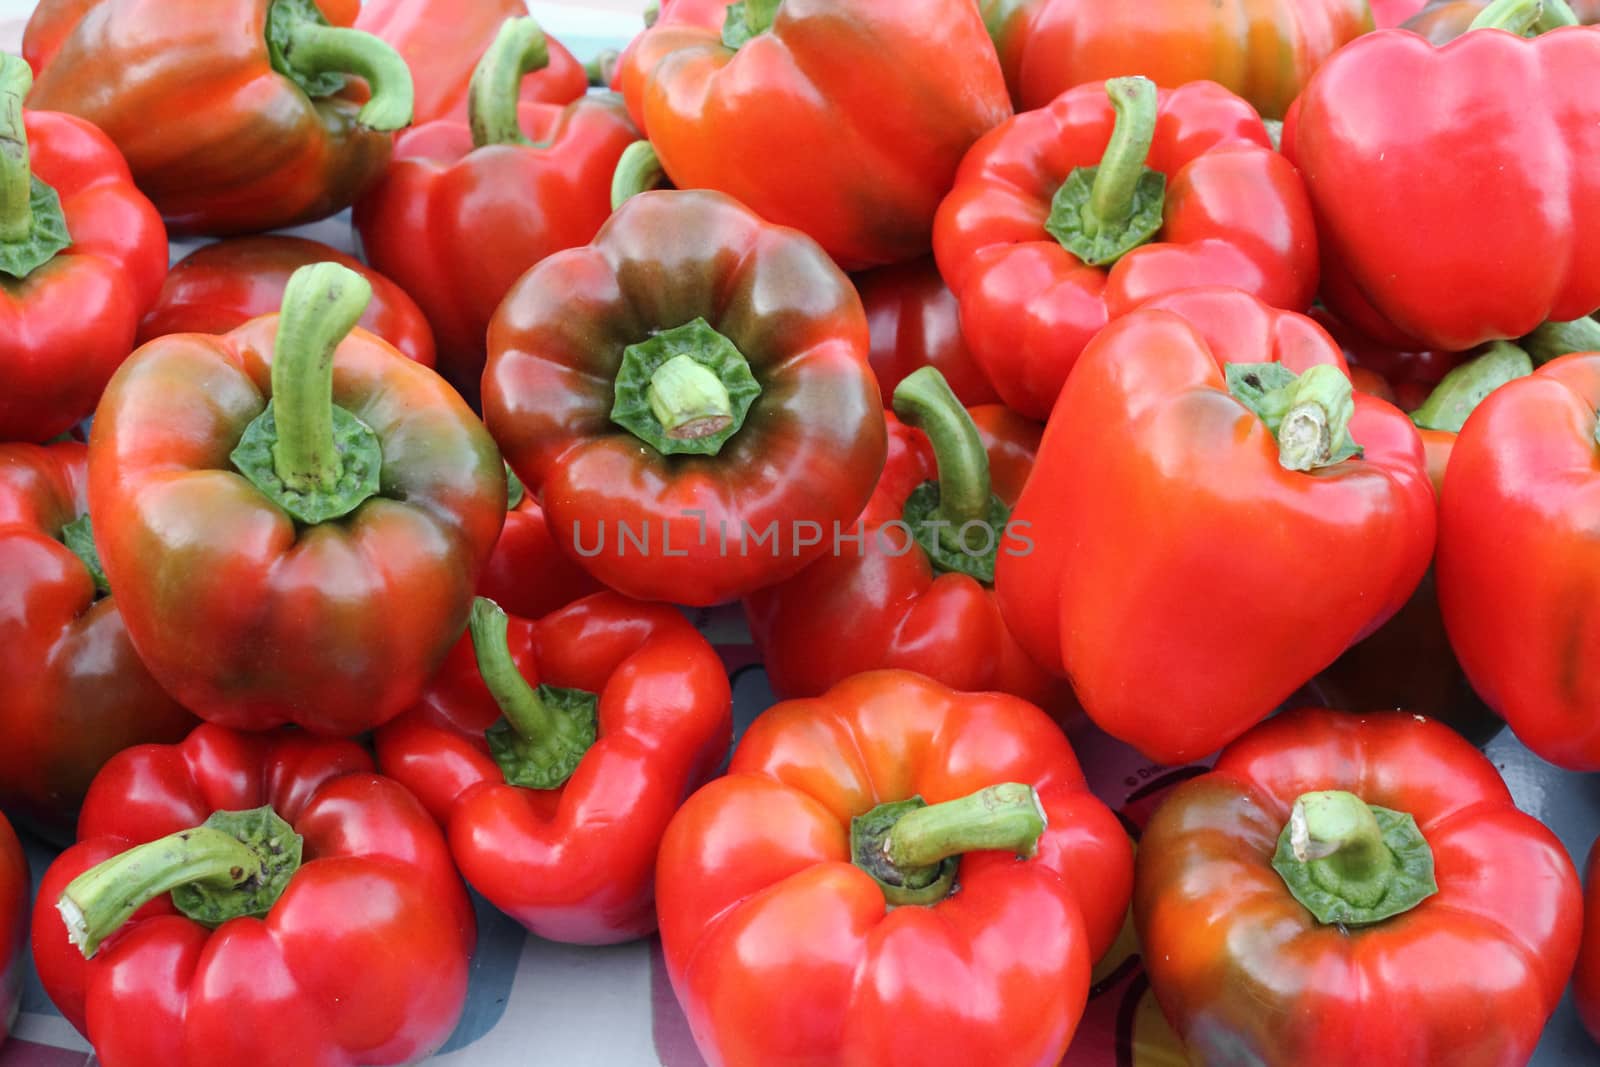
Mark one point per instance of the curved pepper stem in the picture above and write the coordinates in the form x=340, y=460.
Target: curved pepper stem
x=1308, y=413
x=685, y=391
x=1459, y=393
x=912, y=849
x=1352, y=863
x=236, y=863
x=746, y=20
x=546, y=731
x=519, y=49
x=638, y=170
x=1556, y=339
x=602, y=68
x=1102, y=213
x=317, y=56
x=1555, y=15
x=1514, y=16
x=32, y=226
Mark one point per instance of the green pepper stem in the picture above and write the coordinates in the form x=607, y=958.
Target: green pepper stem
x=759, y=15
x=78, y=536
x=321, y=305
x=312, y=48
x=1337, y=834
x=518, y=50
x=638, y=169
x=1459, y=393
x=1111, y=200
x=1555, y=14
x=689, y=399
x=1514, y=16
x=1004, y=818
x=97, y=902
x=16, y=173
x=1556, y=339
x=1316, y=427
x=652, y=12
x=515, y=490
x=518, y=701
x=924, y=399
x=602, y=68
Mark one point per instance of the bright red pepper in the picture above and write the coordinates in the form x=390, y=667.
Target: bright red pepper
x=842, y=118
x=1208, y=534
x=1044, y=237
x=916, y=592
x=1586, y=980
x=1354, y=890
x=15, y=886
x=442, y=42
x=221, y=286
x=464, y=212
x=689, y=397
x=556, y=753
x=915, y=321
x=72, y=691
x=1422, y=257
x=527, y=573
x=259, y=899
x=265, y=570
x=1407, y=373
x=776, y=883
x=1264, y=50
x=82, y=254
x=235, y=115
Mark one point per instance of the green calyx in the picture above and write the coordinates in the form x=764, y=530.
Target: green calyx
x=1102, y=213
x=515, y=490
x=317, y=57
x=912, y=850
x=1556, y=339
x=685, y=391
x=312, y=458
x=1459, y=393
x=747, y=19
x=638, y=170
x=546, y=731
x=518, y=49
x=1523, y=17
x=1351, y=863
x=1308, y=413
x=957, y=520
x=33, y=227
x=235, y=864
x=78, y=536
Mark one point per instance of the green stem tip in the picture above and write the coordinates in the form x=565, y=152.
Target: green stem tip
x=493, y=96
x=684, y=391
x=317, y=56
x=1514, y=16
x=1102, y=213
x=33, y=227
x=1352, y=863
x=1459, y=392
x=1309, y=413
x=638, y=170
x=602, y=68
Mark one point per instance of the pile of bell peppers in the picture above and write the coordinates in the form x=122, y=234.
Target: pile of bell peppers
x=1218, y=377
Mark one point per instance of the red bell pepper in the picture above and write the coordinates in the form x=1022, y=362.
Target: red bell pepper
x=265, y=570
x=1411, y=376
x=689, y=397
x=1216, y=517
x=554, y=752
x=915, y=321
x=219, y=287
x=442, y=42
x=915, y=591
x=463, y=212
x=1047, y=234
x=260, y=899
x=72, y=691
x=1264, y=50
x=14, y=890
x=842, y=118
x=1489, y=246
x=1586, y=980
x=1354, y=890
x=806, y=903
x=527, y=574
x=82, y=254
x=1442, y=21
x=235, y=115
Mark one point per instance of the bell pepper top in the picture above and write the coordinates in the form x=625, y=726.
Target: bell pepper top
x=747, y=19
x=1353, y=863
x=235, y=864
x=33, y=227
x=546, y=730
x=1102, y=213
x=493, y=96
x=685, y=390
x=1460, y=392
x=942, y=514
x=1309, y=413
x=317, y=56
x=78, y=536
x=912, y=850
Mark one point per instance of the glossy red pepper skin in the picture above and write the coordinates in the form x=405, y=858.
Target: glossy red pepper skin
x=876, y=607
x=577, y=863
x=1182, y=578
x=915, y=321
x=1402, y=259
x=441, y=43
x=1264, y=50
x=363, y=960
x=527, y=573
x=456, y=226
x=221, y=142
x=1247, y=975
x=1235, y=214
x=1517, y=558
x=73, y=693
x=1586, y=980
x=845, y=120
x=66, y=327
x=15, y=887
x=781, y=951
x=280, y=624
x=221, y=286
x=663, y=259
